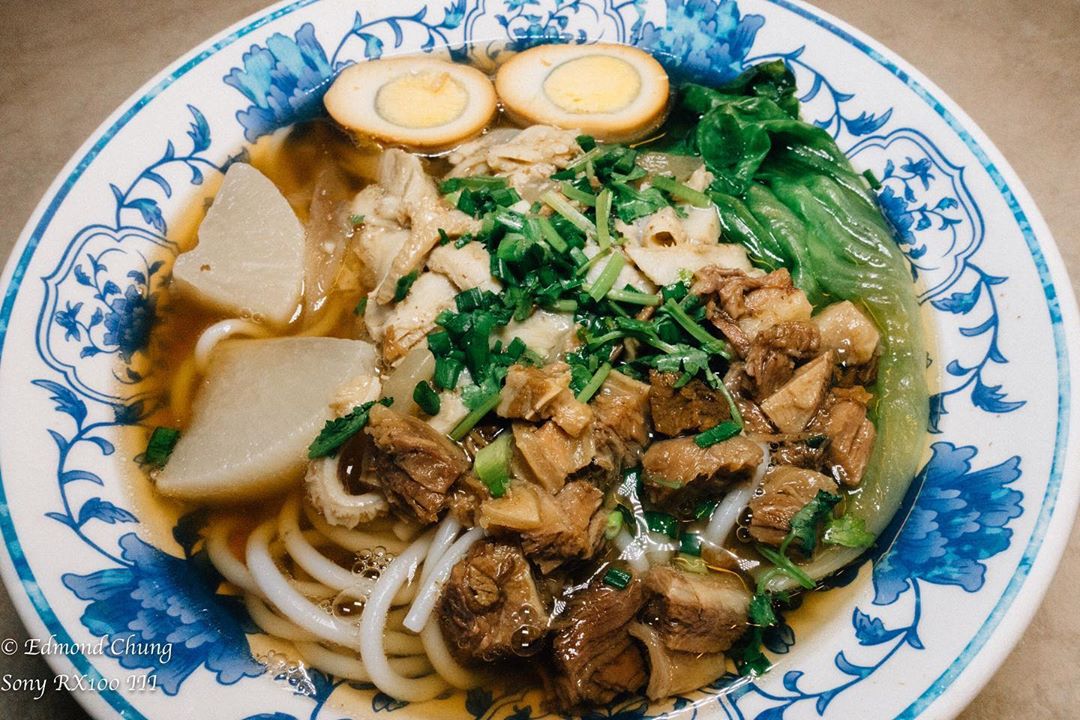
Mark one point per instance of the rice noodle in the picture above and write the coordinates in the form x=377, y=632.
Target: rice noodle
x=443, y=661
x=428, y=593
x=352, y=540
x=272, y=623
x=181, y=390
x=223, y=558
x=373, y=621
x=726, y=515
x=311, y=560
x=219, y=331
x=352, y=668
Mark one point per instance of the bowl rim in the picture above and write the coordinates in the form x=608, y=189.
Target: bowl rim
x=968, y=673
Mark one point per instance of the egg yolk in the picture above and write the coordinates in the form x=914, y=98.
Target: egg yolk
x=593, y=84
x=421, y=100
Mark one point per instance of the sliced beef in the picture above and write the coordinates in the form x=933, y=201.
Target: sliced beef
x=672, y=672
x=742, y=305
x=415, y=464
x=696, y=613
x=622, y=404
x=548, y=455
x=775, y=352
x=678, y=472
x=693, y=407
x=535, y=394
x=793, y=405
x=851, y=434
x=738, y=383
x=785, y=491
x=594, y=658
x=490, y=608
x=552, y=529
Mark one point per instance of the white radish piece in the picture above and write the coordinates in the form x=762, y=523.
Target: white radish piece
x=250, y=257
x=260, y=406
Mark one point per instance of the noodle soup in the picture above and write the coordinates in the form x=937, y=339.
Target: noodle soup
x=570, y=373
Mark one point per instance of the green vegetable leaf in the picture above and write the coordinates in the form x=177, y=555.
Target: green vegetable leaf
x=849, y=531
x=337, y=432
x=404, y=284
x=806, y=523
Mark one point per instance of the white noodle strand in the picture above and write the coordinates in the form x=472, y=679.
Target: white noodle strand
x=223, y=558
x=428, y=593
x=443, y=661
x=726, y=515
x=273, y=624
x=373, y=621
x=352, y=668
x=219, y=331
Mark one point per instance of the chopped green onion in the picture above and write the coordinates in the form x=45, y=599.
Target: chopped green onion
x=550, y=234
x=492, y=464
x=439, y=343
x=361, y=307
x=677, y=190
x=708, y=341
x=337, y=432
x=603, y=218
x=447, y=371
x=614, y=524
x=690, y=543
x=563, y=305
x=356, y=220
x=617, y=578
x=871, y=178
x=160, y=446
x=662, y=522
x=607, y=277
x=633, y=297
x=580, y=258
x=724, y=431
x=404, y=284
x=594, y=383
x=426, y=397
x=462, y=428
x=592, y=153
x=476, y=182
x=574, y=193
x=572, y=215
x=816, y=441
x=704, y=509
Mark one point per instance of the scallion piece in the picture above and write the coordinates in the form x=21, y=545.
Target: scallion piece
x=708, y=342
x=724, y=431
x=492, y=464
x=614, y=524
x=662, y=522
x=617, y=578
x=426, y=397
x=679, y=191
x=563, y=305
x=361, y=307
x=594, y=383
x=160, y=446
x=690, y=543
x=574, y=193
x=603, y=218
x=550, y=235
x=404, y=284
x=633, y=297
x=594, y=152
x=607, y=277
x=572, y=215
x=462, y=428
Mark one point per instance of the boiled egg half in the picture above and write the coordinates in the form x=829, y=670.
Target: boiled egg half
x=421, y=103
x=615, y=93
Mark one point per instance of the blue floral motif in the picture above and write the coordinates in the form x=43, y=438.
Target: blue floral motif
x=284, y=81
x=155, y=598
x=708, y=41
x=129, y=320
x=960, y=518
x=895, y=209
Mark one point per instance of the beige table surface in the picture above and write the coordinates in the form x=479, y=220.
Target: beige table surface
x=1013, y=65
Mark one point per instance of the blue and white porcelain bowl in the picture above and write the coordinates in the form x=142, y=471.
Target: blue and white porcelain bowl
x=90, y=554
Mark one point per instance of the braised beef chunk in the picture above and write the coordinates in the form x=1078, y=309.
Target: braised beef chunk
x=594, y=658
x=785, y=491
x=696, y=613
x=672, y=672
x=794, y=404
x=806, y=453
x=552, y=529
x=490, y=608
x=775, y=352
x=692, y=408
x=537, y=394
x=851, y=434
x=622, y=404
x=742, y=305
x=678, y=471
x=547, y=455
x=415, y=464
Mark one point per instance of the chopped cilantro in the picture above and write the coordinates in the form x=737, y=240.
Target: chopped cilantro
x=724, y=431
x=336, y=432
x=404, y=284
x=160, y=446
x=617, y=578
x=806, y=523
x=848, y=530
